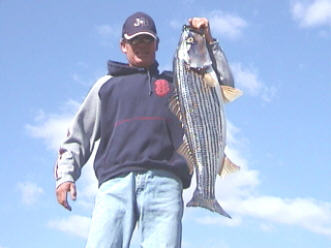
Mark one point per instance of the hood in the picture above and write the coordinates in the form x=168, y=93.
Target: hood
x=119, y=69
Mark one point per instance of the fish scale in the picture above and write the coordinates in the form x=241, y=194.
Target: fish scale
x=198, y=103
x=200, y=126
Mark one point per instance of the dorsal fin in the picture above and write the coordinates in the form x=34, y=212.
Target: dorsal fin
x=185, y=151
x=174, y=106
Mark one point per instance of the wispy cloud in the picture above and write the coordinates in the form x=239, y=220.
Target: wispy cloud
x=52, y=127
x=175, y=24
x=107, y=34
x=226, y=25
x=307, y=213
x=105, y=30
x=248, y=80
x=312, y=13
x=89, y=185
x=222, y=24
x=78, y=226
x=30, y=192
x=220, y=220
x=75, y=225
x=78, y=78
x=266, y=227
x=238, y=193
x=188, y=1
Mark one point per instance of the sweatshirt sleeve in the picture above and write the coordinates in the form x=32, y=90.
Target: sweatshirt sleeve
x=84, y=131
x=222, y=66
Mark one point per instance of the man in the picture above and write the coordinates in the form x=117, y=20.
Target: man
x=140, y=174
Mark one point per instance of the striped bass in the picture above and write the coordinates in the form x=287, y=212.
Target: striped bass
x=198, y=103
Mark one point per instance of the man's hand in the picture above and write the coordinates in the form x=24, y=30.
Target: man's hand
x=61, y=193
x=203, y=24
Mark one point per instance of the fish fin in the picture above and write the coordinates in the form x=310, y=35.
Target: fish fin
x=211, y=204
x=227, y=167
x=175, y=107
x=209, y=79
x=185, y=151
x=230, y=94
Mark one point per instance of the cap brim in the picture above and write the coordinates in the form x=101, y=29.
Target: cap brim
x=129, y=37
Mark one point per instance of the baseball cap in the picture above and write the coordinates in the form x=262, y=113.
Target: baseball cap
x=137, y=24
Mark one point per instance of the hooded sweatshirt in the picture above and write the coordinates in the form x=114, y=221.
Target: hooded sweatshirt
x=127, y=113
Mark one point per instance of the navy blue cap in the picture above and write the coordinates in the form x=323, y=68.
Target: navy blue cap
x=137, y=24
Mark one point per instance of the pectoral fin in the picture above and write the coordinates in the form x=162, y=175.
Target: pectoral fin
x=230, y=94
x=227, y=167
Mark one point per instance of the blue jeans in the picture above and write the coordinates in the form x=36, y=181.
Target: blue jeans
x=153, y=199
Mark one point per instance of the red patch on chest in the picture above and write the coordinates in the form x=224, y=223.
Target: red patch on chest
x=162, y=87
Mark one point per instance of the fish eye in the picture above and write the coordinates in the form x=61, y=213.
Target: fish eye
x=190, y=40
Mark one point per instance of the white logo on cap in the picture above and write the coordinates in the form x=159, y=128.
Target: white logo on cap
x=140, y=22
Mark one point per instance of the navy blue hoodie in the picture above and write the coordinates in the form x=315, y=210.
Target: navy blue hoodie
x=127, y=111
x=137, y=129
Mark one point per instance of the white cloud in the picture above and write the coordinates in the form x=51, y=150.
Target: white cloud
x=77, y=78
x=232, y=132
x=30, y=192
x=176, y=24
x=52, y=128
x=226, y=25
x=188, y=1
x=247, y=79
x=88, y=185
x=312, y=13
x=105, y=30
x=78, y=225
x=75, y=225
x=266, y=227
x=107, y=34
x=220, y=220
x=238, y=194
x=222, y=24
x=306, y=213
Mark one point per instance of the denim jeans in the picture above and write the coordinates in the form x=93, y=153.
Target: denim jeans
x=153, y=199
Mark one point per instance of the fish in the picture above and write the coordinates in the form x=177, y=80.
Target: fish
x=198, y=102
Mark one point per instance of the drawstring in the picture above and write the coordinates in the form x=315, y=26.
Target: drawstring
x=149, y=81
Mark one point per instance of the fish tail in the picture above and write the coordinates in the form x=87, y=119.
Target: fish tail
x=211, y=204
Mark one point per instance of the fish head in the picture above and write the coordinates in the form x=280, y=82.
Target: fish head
x=193, y=49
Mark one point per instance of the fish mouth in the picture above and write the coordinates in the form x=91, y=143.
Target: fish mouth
x=194, y=30
x=197, y=69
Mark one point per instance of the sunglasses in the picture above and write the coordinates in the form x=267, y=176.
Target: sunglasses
x=146, y=39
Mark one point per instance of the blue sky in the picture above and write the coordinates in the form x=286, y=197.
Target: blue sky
x=51, y=53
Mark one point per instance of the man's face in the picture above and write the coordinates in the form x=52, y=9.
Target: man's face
x=140, y=50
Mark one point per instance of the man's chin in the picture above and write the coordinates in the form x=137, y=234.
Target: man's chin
x=143, y=62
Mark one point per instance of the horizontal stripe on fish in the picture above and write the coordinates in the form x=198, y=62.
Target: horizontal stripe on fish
x=199, y=105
